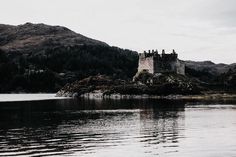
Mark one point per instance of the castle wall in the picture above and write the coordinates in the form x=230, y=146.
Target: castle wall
x=164, y=67
x=180, y=68
x=165, y=63
x=146, y=63
x=161, y=63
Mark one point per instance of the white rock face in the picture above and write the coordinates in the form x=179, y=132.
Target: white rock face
x=96, y=94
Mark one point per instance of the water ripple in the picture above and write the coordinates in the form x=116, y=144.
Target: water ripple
x=146, y=130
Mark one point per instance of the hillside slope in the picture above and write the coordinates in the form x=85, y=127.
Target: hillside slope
x=215, y=69
x=43, y=58
x=36, y=36
x=214, y=76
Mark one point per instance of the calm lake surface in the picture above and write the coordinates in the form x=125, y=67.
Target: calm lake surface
x=118, y=128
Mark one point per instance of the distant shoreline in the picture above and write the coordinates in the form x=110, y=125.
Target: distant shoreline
x=210, y=96
x=92, y=96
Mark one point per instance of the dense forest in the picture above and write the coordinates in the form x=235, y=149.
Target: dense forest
x=43, y=58
x=225, y=81
x=48, y=71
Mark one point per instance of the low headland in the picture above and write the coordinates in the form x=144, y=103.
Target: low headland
x=163, y=86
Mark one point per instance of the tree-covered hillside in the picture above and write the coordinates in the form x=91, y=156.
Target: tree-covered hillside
x=59, y=56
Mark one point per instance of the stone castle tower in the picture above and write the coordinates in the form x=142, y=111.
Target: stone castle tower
x=153, y=62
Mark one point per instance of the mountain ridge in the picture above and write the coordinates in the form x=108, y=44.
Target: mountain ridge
x=29, y=35
x=213, y=68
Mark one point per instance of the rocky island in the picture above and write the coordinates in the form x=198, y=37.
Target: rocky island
x=101, y=86
x=158, y=76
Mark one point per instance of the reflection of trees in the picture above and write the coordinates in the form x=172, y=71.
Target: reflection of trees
x=99, y=104
x=57, y=127
x=67, y=126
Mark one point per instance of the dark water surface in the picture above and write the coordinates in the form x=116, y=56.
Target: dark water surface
x=127, y=128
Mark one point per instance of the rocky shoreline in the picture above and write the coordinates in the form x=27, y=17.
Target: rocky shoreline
x=100, y=87
x=174, y=87
x=100, y=95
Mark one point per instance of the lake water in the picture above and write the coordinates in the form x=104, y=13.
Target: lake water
x=27, y=97
x=118, y=128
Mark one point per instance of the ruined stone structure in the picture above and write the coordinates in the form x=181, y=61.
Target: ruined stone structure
x=153, y=62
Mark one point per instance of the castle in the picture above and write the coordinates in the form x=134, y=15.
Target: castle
x=153, y=62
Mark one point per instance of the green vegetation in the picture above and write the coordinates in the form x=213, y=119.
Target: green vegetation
x=52, y=68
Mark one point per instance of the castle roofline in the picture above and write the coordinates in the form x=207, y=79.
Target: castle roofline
x=153, y=53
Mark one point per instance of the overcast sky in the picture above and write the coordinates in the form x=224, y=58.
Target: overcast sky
x=196, y=29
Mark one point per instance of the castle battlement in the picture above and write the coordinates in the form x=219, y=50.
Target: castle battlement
x=154, y=62
x=154, y=53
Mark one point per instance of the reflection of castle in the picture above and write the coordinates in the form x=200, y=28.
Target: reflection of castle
x=153, y=62
x=162, y=123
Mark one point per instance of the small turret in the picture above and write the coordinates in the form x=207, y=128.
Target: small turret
x=173, y=51
x=163, y=51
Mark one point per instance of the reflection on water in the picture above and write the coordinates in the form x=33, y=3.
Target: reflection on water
x=116, y=128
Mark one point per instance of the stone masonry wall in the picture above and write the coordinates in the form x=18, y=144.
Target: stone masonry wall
x=180, y=67
x=146, y=63
x=161, y=63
